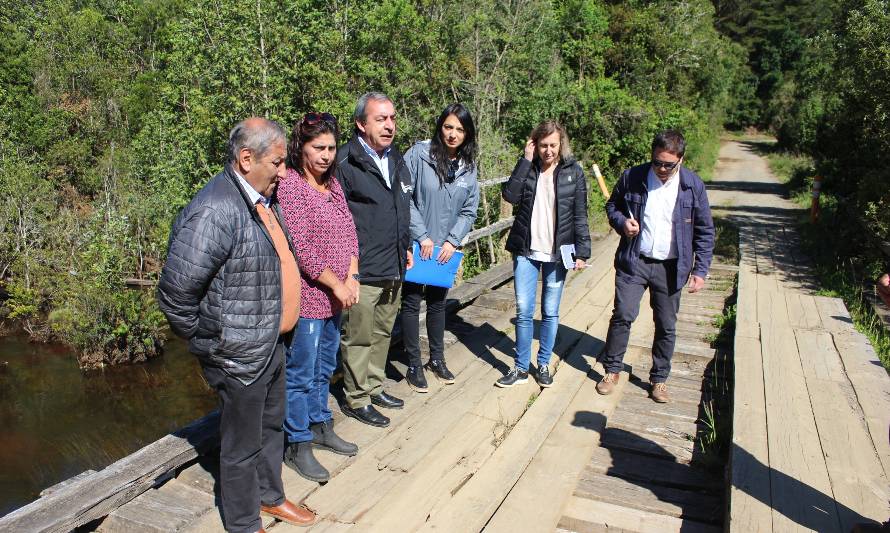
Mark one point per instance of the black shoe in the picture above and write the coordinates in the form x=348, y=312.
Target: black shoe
x=299, y=457
x=385, y=400
x=416, y=380
x=543, y=377
x=323, y=437
x=514, y=377
x=441, y=371
x=366, y=414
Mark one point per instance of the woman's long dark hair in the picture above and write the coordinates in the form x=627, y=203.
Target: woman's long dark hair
x=466, y=152
x=305, y=131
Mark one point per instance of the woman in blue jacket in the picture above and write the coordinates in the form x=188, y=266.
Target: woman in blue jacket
x=443, y=208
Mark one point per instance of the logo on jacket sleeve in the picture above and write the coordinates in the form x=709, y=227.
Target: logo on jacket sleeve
x=406, y=187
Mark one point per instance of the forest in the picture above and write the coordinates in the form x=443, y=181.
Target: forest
x=113, y=113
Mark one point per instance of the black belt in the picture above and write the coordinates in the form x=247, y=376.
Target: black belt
x=648, y=259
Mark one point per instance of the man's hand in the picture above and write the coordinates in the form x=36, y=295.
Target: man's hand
x=631, y=228
x=426, y=248
x=445, y=253
x=696, y=283
x=883, y=286
x=580, y=264
x=410, y=260
x=354, y=287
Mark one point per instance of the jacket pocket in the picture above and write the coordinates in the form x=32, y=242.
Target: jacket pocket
x=686, y=206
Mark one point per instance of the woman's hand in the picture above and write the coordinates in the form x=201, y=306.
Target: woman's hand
x=529, y=149
x=426, y=248
x=580, y=264
x=345, y=296
x=445, y=253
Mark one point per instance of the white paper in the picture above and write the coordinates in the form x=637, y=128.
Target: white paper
x=566, y=250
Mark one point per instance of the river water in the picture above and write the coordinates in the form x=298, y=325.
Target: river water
x=58, y=421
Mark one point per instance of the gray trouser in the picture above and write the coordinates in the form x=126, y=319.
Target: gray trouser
x=364, y=344
x=664, y=297
x=251, y=443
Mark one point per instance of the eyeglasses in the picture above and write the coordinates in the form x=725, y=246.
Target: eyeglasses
x=311, y=119
x=664, y=164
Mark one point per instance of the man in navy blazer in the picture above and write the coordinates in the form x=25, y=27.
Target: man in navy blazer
x=661, y=211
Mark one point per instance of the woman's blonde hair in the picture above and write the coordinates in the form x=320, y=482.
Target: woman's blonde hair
x=548, y=127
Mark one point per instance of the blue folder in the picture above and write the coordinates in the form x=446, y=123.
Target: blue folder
x=430, y=272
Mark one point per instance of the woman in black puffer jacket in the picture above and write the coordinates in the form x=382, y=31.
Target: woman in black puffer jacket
x=549, y=190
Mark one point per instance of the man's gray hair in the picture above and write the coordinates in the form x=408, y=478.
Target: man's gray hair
x=361, y=113
x=255, y=134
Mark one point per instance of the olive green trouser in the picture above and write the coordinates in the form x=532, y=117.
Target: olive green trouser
x=364, y=343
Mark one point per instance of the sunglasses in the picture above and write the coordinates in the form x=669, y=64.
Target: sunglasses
x=664, y=164
x=311, y=119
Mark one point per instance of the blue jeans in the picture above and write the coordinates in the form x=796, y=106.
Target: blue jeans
x=311, y=359
x=525, y=283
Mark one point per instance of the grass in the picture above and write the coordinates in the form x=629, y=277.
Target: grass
x=726, y=241
x=715, y=432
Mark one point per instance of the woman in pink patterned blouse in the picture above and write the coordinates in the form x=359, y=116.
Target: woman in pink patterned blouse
x=326, y=246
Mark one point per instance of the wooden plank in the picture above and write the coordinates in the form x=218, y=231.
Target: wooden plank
x=799, y=482
x=771, y=306
x=750, y=500
x=652, y=445
x=471, y=288
x=871, y=386
x=168, y=508
x=802, y=310
x=99, y=494
x=636, y=467
x=646, y=424
x=584, y=516
x=450, y=463
x=681, y=346
x=477, y=500
x=857, y=479
x=491, y=229
x=76, y=479
x=834, y=314
x=535, y=503
x=402, y=450
x=493, y=181
x=650, y=498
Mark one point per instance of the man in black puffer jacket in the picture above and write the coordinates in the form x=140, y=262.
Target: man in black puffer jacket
x=377, y=186
x=231, y=288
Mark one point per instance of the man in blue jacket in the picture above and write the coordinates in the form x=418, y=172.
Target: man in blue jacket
x=661, y=211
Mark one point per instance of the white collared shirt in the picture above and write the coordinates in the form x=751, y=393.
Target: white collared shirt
x=657, y=239
x=251, y=192
x=382, y=162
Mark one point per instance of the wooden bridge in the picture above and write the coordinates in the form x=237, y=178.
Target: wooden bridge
x=807, y=400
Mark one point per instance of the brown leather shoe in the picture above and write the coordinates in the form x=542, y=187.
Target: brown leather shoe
x=290, y=513
x=659, y=392
x=607, y=385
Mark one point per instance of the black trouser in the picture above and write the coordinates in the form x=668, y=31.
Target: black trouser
x=660, y=277
x=412, y=295
x=251, y=443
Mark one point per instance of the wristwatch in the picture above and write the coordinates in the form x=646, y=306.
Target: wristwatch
x=355, y=277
